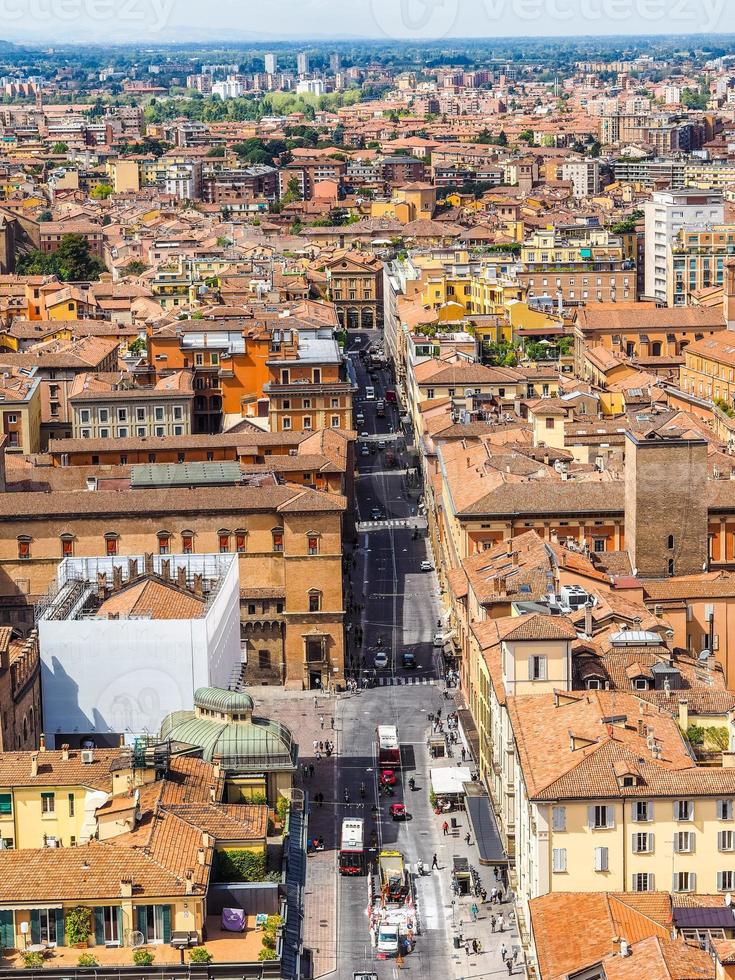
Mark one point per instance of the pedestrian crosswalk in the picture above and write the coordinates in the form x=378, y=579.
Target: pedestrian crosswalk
x=394, y=681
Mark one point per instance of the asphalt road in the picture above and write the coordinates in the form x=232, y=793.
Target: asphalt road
x=400, y=611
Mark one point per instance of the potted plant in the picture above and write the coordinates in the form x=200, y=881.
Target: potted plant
x=78, y=922
x=87, y=959
x=142, y=957
x=32, y=961
x=200, y=954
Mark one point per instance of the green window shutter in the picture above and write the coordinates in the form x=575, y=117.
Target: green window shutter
x=120, y=926
x=60, y=937
x=7, y=932
x=99, y=926
x=6, y=804
x=167, y=923
x=35, y=926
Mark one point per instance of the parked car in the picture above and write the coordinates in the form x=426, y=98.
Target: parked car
x=427, y=566
x=409, y=659
x=381, y=660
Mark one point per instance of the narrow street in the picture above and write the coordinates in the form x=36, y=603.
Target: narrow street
x=400, y=607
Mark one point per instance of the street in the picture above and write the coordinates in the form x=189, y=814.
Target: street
x=400, y=607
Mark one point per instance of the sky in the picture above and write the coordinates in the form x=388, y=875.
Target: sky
x=159, y=21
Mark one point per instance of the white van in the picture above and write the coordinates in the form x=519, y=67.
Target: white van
x=370, y=394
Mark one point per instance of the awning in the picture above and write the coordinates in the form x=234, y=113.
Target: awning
x=469, y=732
x=450, y=779
x=484, y=825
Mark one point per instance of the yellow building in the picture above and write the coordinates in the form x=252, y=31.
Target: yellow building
x=125, y=176
x=20, y=411
x=709, y=369
x=696, y=260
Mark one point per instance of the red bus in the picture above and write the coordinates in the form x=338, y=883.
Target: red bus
x=352, y=850
x=389, y=749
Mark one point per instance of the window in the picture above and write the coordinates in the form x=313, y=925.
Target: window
x=84, y=415
x=122, y=432
x=725, y=840
x=24, y=547
x=559, y=818
x=214, y=359
x=278, y=539
x=178, y=412
x=600, y=545
x=670, y=542
x=158, y=413
x=642, y=843
x=111, y=541
x=550, y=423
x=140, y=414
x=315, y=601
x=643, y=882
x=601, y=817
x=724, y=809
x=141, y=432
x=313, y=544
x=601, y=859
x=642, y=811
x=187, y=542
x=683, y=810
x=241, y=541
x=684, y=881
x=264, y=659
x=286, y=423
x=164, y=543
x=70, y=798
x=161, y=430
x=122, y=414
x=67, y=546
x=6, y=804
x=641, y=684
x=559, y=860
x=224, y=542
x=683, y=842
x=671, y=566
x=178, y=430
x=251, y=609
x=307, y=423
x=334, y=422
x=725, y=881
x=48, y=803
x=537, y=668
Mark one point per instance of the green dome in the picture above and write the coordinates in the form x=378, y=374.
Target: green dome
x=249, y=745
x=216, y=699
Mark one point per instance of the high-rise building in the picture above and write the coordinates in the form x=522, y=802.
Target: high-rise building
x=666, y=214
x=335, y=62
x=302, y=63
x=271, y=63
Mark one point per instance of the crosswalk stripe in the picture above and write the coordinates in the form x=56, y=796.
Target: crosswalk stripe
x=397, y=681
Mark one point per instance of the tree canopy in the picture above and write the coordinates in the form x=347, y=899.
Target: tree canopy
x=71, y=262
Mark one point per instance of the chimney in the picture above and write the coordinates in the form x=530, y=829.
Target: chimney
x=166, y=569
x=34, y=764
x=42, y=742
x=65, y=752
x=198, y=585
x=212, y=795
x=683, y=715
x=117, y=580
x=148, y=563
x=181, y=577
x=101, y=585
x=126, y=888
x=509, y=548
x=588, y=619
x=502, y=585
x=641, y=727
x=217, y=766
x=132, y=569
x=729, y=294
x=188, y=881
x=201, y=856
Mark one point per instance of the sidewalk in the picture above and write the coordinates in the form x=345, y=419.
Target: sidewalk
x=459, y=916
x=301, y=712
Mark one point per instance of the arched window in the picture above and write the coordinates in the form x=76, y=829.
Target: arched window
x=25, y=729
x=164, y=542
x=241, y=541
x=671, y=566
x=315, y=601
x=112, y=541
x=67, y=545
x=277, y=533
x=312, y=543
x=670, y=542
x=224, y=540
x=24, y=547
x=187, y=542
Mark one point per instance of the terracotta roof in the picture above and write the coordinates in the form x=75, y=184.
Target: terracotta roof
x=540, y=627
x=151, y=599
x=647, y=316
x=15, y=769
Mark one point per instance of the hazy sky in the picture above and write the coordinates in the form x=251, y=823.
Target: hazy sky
x=178, y=20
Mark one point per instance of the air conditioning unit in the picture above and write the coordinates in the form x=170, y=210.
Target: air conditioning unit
x=87, y=756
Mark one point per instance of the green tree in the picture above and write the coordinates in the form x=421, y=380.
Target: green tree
x=59, y=148
x=101, y=192
x=293, y=191
x=134, y=268
x=526, y=136
x=71, y=262
x=216, y=151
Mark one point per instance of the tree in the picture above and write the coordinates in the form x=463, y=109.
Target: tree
x=101, y=192
x=71, y=262
x=134, y=268
x=502, y=138
x=60, y=148
x=293, y=191
x=216, y=151
x=526, y=136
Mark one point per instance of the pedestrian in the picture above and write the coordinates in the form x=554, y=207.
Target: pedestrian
x=493, y=895
x=318, y=756
x=467, y=948
x=321, y=720
x=467, y=839
x=501, y=923
x=438, y=712
x=434, y=863
x=445, y=828
x=464, y=754
x=305, y=770
x=500, y=894
x=315, y=744
x=495, y=872
x=483, y=894
x=311, y=768
x=332, y=723
x=316, y=702
x=474, y=946
x=509, y=964
x=503, y=951
x=515, y=954
x=321, y=746
x=473, y=911
x=493, y=923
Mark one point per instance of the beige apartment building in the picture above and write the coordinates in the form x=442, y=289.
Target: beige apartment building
x=111, y=406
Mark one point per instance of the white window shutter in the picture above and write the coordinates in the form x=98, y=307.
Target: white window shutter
x=600, y=859
x=674, y=881
x=650, y=843
x=691, y=809
x=634, y=811
x=720, y=881
x=650, y=810
x=692, y=881
x=542, y=668
x=610, y=820
x=720, y=840
x=652, y=882
x=591, y=817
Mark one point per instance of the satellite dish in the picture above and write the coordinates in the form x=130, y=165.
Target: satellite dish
x=704, y=656
x=137, y=939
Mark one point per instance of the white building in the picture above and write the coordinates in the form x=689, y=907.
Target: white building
x=302, y=63
x=184, y=181
x=231, y=88
x=311, y=86
x=666, y=214
x=584, y=176
x=271, y=63
x=126, y=641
